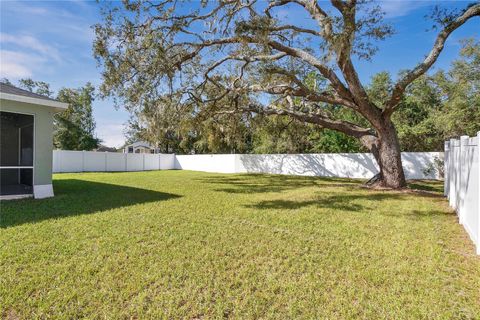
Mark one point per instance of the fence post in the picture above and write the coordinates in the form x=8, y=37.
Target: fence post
x=106, y=160
x=126, y=159
x=83, y=160
x=453, y=173
x=59, y=163
x=478, y=194
x=457, y=174
x=446, y=173
x=54, y=161
x=462, y=184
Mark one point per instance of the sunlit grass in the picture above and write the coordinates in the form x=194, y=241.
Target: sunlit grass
x=179, y=244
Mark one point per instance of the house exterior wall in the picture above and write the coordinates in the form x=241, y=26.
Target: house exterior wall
x=139, y=149
x=43, y=137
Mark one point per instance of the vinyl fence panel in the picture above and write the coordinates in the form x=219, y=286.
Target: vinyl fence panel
x=85, y=161
x=134, y=162
x=151, y=162
x=344, y=165
x=116, y=161
x=462, y=183
x=220, y=163
x=167, y=161
x=68, y=161
x=94, y=161
x=347, y=165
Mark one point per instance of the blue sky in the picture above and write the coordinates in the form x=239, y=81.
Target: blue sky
x=52, y=41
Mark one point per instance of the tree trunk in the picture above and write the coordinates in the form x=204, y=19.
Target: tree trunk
x=388, y=156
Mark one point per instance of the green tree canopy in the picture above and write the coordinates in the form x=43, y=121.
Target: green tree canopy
x=75, y=127
x=147, y=50
x=433, y=109
x=437, y=107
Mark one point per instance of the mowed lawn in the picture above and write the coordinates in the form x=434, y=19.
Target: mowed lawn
x=191, y=245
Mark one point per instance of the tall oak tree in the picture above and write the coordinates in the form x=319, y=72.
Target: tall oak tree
x=245, y=48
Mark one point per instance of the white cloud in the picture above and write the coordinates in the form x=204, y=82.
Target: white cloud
x=23, y=8
x=23, y=55
x=111, y=134
x=39, y=9
x=12, y=70
x=399, y=8
x=16, y=65
x=81, y=3
x=32, y=44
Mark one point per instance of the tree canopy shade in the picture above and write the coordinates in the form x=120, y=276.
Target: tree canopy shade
x=243, y=49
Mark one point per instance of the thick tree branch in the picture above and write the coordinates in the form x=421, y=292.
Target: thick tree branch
x=274, y=4
x=327, y=97
x=248, y=59
x=423, y=67
x=315, y=115
x=295, y=29
x=327, y=72
x=343, y=46
x=346, y=127
x=320, y=16
x=286, y=89
x=306, y=57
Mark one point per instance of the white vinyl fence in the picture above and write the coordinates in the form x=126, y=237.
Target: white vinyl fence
x=462, y=182
x=84, y=161
x=342, y=165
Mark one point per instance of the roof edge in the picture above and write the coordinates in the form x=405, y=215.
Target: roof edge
x=57, y=105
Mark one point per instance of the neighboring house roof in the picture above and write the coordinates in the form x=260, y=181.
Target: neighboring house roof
x=140, y=144
x=12, y=93
x=105, y=148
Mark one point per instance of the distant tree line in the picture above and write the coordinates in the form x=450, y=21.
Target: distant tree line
x=74, y=128
x=434, y=108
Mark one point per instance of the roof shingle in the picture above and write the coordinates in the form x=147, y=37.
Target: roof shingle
x=8, y=88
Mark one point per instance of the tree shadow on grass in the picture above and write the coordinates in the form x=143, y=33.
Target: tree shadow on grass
x=344, y=202
x=427, y=185
x=76, y=197
x=355, y=202
x=263, y=183
x=332, y=193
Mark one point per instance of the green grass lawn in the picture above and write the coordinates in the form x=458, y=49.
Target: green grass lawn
x=179, y=244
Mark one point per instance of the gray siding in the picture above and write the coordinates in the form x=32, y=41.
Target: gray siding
x=43, y=137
